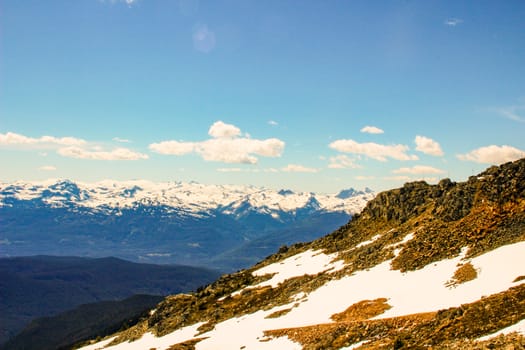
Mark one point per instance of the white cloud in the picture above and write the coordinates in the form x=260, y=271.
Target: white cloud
x=118, y=139
x=273, y=122
x=203, y=38
x=493, y=154
x=226, y=146
x=115, y=154
x=220, y=129
x=516, y=113
x=373, y=150
x=11, y=138
x=71, y=147
x=428, y=146
x=452, y=22
x=247, y=170
x=177, y=148
x=47, y=168
x=296, y=168
x=364, y=177
x=239, y=150
x=342, y=161
x=230, y=170
x=418, y=169
x=372, y=130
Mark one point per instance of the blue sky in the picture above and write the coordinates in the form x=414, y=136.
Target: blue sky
x=308, y=95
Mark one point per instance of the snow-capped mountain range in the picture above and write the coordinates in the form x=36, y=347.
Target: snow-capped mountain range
x=220, y=226
x=191, y=198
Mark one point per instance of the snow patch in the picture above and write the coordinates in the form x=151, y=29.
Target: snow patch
x=100, y=345
x=370, y=241
x=309, y=262
x=517, y=327
x=355, y=346
x=149, y=341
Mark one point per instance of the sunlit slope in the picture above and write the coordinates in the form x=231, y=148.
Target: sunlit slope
x=440, y=266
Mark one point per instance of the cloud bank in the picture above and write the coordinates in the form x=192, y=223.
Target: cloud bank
x=296, y=168
x=70, y=147
x=493, y=154
x=115, y=154
x=373, y=150
x=47, y=168
x=227, y=145
x=11, y=138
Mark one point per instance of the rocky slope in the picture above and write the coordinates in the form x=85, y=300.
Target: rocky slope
x=226, y=227
x=422, y=266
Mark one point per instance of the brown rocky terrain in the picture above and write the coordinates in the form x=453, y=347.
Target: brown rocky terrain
x=412, y=226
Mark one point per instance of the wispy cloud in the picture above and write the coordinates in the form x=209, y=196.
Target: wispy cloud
x=71, y=147
x=13, y=139
x=364, y=177
x=452, y=22
x=297, y=168
x=47, y=168
x=493, y=154
x=118, y=139
x=342, y=161
x=418, y=169
x=230, y=170
x=428, y=146
x=127, y=2
x=516, y=112
x=373, y=150
x=247, y=170
x=372, y=130
x=227, y=145
x=272, y=123
x=98, y=154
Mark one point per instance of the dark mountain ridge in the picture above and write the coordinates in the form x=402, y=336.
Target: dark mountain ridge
x=62, y=331
x=32, y=287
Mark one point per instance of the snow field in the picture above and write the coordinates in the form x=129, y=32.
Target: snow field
x=309, y=262
x=148, y=340
x=411, y=292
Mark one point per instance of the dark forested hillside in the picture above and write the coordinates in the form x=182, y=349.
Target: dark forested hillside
x=32, y=287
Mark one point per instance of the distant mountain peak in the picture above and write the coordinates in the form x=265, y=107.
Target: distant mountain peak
x=284, y=192
x=191, y=197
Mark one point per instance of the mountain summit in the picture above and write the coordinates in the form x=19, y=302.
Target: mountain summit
x=421, y=266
